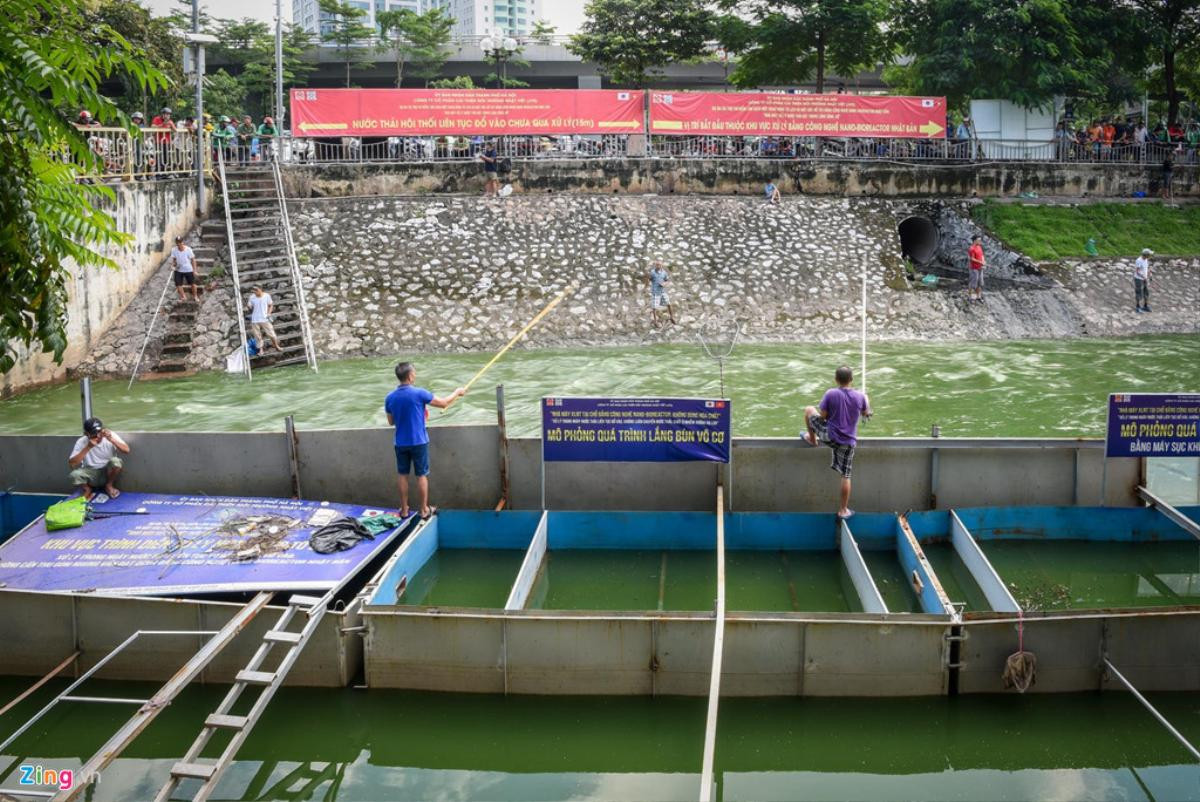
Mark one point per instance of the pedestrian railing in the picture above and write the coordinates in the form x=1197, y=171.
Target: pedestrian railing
x=163, y=153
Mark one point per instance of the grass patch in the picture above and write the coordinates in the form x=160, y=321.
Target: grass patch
x=1048, y=233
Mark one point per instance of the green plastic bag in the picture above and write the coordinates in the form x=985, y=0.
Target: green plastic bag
x=67, y=514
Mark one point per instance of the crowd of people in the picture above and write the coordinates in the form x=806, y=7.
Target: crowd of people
x=1127, y=139
x=168, y=145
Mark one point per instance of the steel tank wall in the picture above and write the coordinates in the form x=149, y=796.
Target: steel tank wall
x=766, y=474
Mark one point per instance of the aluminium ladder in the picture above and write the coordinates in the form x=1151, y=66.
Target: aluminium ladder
x=209, y=771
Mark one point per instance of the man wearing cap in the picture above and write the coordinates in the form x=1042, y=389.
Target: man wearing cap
x=184, y=262
x=94, y=461
x=1141, y=281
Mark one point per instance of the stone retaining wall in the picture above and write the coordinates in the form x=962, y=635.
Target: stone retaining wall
x=745, y=177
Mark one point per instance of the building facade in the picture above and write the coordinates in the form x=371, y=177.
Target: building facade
x=472, y=17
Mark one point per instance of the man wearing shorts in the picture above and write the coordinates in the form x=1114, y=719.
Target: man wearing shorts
x=260, y=319
x=975, y=268
x=405, y=407
x=184, y=262
x=658, y=278
x=835, y=423
x=94, y=461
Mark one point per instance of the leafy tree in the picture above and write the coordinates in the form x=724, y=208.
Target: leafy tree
x=1172, y=27
x=457, y=82
x=1026, y=51
x=542, y=33
x=153, y=36
x=790, y=41
x=223, y=95
x=630, y=39
x=347, y=33
x=49, y=221
x=1112, y=45
x=258, y=76
x=422, y=40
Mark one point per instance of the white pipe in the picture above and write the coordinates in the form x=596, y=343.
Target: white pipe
x=863, y=369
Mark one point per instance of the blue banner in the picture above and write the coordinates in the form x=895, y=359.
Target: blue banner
x=1153, y=425
x=635, y=429
x=149, y=544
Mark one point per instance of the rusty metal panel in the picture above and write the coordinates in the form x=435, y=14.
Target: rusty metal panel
x=844, y=658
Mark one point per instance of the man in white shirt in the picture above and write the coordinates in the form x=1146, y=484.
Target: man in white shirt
x=1141, y=281
x=260, y=319
x=94, y=461
x=184, y=262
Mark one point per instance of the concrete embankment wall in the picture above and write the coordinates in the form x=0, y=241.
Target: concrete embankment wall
x=766, y=474
x=745, y=177
x=154, y=213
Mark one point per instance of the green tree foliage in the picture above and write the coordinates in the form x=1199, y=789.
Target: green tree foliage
x=153, y=36
x=630, y=39
x=791, y=41
x=48, y=220
x=542, y=33
x=258, y=75
x=457, y=82
x=1026, y=51
x=1172, y=29
x=347, y=33
x=421, y=41
x=223, y=95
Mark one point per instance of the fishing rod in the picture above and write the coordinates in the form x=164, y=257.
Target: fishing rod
x=517, y=337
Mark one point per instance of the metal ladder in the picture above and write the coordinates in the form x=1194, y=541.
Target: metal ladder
x=148, y=709
x=191, y=767
x=310, y=352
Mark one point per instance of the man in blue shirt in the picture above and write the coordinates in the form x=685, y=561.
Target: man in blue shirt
x=405, y=408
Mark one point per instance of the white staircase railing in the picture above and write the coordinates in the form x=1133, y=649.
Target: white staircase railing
x=310, y=352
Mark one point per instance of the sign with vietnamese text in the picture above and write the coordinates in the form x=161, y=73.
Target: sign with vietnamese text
x=635, y=429
x=776, y=114
x=183, y=544
x=490, y=112
x=1153, y=425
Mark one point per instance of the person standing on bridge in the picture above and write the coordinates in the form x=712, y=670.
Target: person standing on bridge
x=835, y=423
x=975, y=268
x=405, y=407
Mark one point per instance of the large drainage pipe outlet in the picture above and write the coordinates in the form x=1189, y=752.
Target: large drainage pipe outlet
x=919, y=239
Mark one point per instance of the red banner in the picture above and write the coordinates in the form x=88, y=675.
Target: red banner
x=772, y=114
x=426, y=112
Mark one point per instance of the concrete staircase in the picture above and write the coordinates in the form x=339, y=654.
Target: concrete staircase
x=263, y=259
x=181, y=315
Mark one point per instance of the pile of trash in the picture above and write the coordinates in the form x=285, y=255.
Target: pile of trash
x=248, y=537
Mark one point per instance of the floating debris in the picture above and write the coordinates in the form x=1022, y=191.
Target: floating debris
x=1041, y=597
x=249, y=537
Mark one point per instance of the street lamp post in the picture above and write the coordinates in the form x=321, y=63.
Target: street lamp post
x=499, y=47
x=198, y=41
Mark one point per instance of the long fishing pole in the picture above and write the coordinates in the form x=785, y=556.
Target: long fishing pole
x=517, y=337
x=863, y=368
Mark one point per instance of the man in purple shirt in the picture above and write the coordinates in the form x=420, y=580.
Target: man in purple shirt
x=835, y=424
x=405, y=408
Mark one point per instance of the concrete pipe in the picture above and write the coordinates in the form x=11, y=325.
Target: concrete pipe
x=919, y=238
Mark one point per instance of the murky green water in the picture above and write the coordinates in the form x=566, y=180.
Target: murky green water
x=465, y=578
x=625, y=579
x=893, y=584
x=1073, y=574
x=956, y=579
x=1016, y=388
x=798, y=581
x=392, y=746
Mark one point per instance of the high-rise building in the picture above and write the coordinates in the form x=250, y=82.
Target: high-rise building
x=308, y=14
x=481, y=17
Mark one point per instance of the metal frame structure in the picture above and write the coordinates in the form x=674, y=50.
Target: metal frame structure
x=233, y=266
x=310, y=352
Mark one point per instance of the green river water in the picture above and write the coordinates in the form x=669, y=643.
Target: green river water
x=994, y=389
x=390, y=746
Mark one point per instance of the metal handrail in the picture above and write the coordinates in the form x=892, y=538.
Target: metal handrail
x=310, y=352
x=233, y=267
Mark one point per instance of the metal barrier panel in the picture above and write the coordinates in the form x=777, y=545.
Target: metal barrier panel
x=843, y=658
x=1068, y=653
x=530, y=567
x=630, y=530
x=916, y=567
x=1122, y=524
x=798, y=531
x=868, y=594
x=405, y=563
x=434, y=652
x=977, y=563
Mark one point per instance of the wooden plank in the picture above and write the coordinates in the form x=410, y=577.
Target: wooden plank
x=54, y=672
